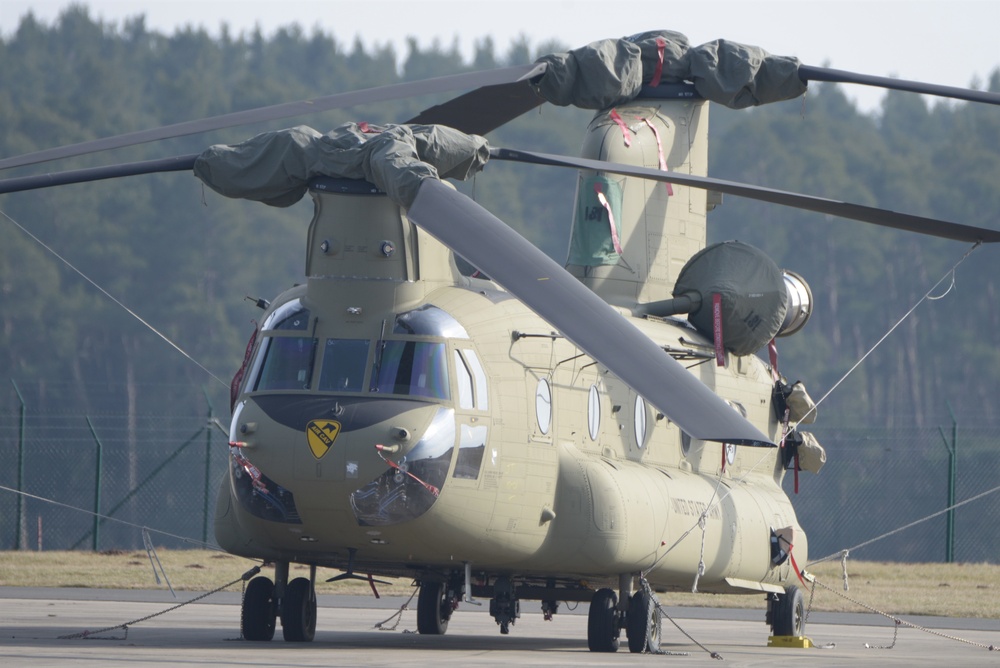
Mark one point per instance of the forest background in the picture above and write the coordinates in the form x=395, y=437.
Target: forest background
x=185, y=259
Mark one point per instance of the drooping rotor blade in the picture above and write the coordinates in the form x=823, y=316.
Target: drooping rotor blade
x=810, y=73
x=178, y=163
x=279, y=111
x=583, y=317
x=486, y=108
x=867, y=214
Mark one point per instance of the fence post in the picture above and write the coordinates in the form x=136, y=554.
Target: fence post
x=97, y=485
x=952, y=447
x=21, y=527
x=142, y=483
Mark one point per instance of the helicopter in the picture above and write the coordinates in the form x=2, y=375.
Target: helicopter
x=598, y=433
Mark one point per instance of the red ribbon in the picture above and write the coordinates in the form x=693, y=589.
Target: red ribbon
x=796, y=566
x=659, y=152
x=611, y=218
x=720, y=351
x=661, y=45
x=626, y=135
x=429, y=487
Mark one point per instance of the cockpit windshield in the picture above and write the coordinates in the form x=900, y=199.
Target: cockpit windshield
x=416, y=368
x=287, y=363
x=403, y=366
x=344, y=364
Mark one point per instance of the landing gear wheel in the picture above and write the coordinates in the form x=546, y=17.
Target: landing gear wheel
x=257, y=615
x=603, y=622
x=433, y=608
x=298, y=611
x=788, y=614
x=642, y=623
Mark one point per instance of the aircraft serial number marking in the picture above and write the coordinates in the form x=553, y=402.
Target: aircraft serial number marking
x=694, y=508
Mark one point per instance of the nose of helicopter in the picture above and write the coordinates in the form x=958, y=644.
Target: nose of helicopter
x=379, y=461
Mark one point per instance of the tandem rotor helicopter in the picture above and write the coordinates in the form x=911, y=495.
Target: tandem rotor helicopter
x=599, y=432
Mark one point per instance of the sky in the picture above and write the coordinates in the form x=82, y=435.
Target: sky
x=951, y=42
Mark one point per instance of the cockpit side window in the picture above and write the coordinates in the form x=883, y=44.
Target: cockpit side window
x=344, y=364
x=415, y=368
x=286, y=363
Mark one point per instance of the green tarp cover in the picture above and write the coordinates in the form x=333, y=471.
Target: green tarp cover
x=612, y=71
x=276, y=167
x=754, y=298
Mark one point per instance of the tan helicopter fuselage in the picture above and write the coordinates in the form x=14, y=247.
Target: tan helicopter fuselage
x=433, y=421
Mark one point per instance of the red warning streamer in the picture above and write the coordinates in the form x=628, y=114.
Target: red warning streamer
x=611, y=218
x=429, y=487
x=661, y=46
x=626, y=135
x=720, y=351
x=659, y=152
x=798, y=572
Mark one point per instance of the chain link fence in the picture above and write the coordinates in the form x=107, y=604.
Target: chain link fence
x=878, y=480
x=94, y=482
x=163, y=472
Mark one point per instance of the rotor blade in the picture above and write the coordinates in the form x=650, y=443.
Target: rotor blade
x=810, y=73
x=486, y=108
x=178, y=163
x=583, y=317
x=278, y=111
x=867, y=214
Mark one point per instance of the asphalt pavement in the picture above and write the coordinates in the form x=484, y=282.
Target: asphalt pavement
x=60, y=627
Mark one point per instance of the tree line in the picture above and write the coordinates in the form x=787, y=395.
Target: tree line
x=184, y=260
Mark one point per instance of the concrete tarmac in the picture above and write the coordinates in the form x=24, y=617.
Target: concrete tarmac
x=35, y=623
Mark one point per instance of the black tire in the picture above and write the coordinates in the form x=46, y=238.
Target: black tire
x=603, y=622
x=433, y=608
x=642, y=623
x=789, y=613
x=257, y=615
x=298, y=611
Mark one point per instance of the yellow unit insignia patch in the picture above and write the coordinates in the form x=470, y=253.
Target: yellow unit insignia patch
x=321, y=435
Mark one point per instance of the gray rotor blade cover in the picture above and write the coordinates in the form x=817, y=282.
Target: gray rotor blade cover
x=583, y=317
x=286, y=110
x=866, y=214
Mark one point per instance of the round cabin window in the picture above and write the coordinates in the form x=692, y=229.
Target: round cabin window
x=640, y=422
